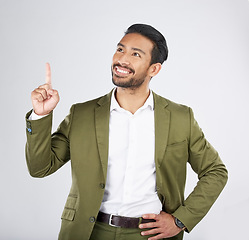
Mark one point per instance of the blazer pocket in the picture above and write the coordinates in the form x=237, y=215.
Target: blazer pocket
x=175, y=146
x=177, y=152
x=70, y=208
x=68, y=214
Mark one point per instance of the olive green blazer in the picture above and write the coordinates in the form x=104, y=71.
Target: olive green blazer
x=83, y=138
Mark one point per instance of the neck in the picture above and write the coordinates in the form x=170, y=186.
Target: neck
x=132, y=99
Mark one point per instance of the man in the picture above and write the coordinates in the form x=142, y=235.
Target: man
x=128, y=152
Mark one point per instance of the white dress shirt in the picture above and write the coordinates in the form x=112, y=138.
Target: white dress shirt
x=131, y=175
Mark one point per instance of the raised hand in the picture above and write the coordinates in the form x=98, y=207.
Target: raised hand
x=44, y=98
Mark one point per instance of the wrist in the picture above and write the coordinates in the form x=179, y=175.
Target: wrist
x=35, y=116
x=179, y=224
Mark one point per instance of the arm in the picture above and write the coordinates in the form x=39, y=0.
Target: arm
x=43, y=153
x=212, y=175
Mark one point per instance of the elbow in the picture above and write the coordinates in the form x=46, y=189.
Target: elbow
x=36, y=174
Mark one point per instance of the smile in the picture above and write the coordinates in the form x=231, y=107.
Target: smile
x=121, y=71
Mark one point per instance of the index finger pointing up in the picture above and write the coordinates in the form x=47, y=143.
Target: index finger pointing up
x=48, y=75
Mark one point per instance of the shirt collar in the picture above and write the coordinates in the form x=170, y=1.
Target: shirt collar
x=115, y=106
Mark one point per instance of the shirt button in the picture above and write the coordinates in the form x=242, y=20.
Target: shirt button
x=92, y=219
x=102, y=185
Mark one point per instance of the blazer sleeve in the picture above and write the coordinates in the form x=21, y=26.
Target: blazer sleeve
x=212, y=175
x=46, y=153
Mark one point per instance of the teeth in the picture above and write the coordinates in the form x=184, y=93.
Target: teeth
x=122, y=71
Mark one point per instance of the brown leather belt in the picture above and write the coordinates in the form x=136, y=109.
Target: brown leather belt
x=120, y=221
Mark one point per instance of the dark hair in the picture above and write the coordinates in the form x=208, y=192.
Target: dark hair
x=159, y=52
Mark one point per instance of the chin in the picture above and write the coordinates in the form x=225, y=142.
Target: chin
x=120, y=82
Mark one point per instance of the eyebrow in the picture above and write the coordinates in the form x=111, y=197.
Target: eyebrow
x=135, y=49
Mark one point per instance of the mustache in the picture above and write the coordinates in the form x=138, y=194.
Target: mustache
x=119, y=65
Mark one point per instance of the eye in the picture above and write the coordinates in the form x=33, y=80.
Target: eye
x=136, y=54
x=119, y=49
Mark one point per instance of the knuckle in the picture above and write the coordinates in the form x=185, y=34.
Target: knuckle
x=44, y=86
x=43, y=92
x=40, y=97
x=38, y=90
x=35, y=95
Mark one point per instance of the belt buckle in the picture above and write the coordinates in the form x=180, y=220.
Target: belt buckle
x=110, y=221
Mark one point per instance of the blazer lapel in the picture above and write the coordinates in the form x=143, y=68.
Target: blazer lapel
x=102, y=116
x=162, y=123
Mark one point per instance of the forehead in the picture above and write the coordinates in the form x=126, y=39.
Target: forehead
x=136, y=40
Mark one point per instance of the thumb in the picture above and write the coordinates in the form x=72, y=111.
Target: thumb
x=53, y=94
x=51, y=91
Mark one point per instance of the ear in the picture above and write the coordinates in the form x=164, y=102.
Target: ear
x=154, y=69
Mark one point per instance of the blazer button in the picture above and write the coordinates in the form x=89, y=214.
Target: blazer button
x=102, y=185
x=92, y=219
x=28, y=126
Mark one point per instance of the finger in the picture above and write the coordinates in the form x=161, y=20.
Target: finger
x=43, y=92
x=54, y=95
x=151, y=232
x=150, y=216
x=52, y=92
x=149, y=225
x=157, y=237
x=45, y=86
x=36, y=96
x=48, y=75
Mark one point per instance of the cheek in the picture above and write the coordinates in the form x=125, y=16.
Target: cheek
x=114, y=58
x=141, y=68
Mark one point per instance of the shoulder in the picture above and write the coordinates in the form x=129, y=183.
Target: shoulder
x=170, y=105
x=92, y=104
x=179, y=116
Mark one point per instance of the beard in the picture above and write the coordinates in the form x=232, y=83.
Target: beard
x=132, y=83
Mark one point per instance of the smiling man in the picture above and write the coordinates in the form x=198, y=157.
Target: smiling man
x=123, y=68
x=128, y=152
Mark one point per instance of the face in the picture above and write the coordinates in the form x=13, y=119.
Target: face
x=131, y=61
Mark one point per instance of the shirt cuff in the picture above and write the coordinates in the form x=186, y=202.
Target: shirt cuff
x=34, y=116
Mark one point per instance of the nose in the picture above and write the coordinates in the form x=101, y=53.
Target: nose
x=124, y=60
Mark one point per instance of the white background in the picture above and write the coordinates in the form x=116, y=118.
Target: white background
x=207, y=69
